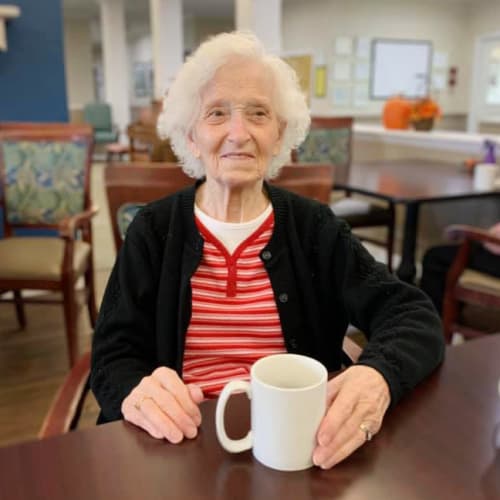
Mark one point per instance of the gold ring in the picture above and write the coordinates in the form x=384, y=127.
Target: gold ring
x=137, y=404
x=367, y=431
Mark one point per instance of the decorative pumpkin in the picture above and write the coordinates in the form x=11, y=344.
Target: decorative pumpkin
x=396, y=113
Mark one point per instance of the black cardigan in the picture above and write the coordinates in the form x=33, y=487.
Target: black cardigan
x=322, y=277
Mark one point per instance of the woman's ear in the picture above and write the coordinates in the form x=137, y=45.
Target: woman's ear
x=279, y=142
x=191, y=142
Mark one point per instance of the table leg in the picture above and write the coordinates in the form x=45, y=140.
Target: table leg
x=407, y=269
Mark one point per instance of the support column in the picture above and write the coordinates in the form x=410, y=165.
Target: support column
x=263, y=17
x=167, y=32
x=115, y=62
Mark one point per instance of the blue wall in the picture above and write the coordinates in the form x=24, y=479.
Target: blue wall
x=32, y=79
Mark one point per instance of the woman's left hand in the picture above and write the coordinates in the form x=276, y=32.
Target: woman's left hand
x=357, y=400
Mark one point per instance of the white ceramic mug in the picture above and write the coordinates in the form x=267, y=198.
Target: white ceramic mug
x=484, y=176
x=288, y=402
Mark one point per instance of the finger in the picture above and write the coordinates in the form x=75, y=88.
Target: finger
x=196, y=393
x=351, y=439
x=169, y=405
x=333, y=388
x=170, y=380
x=339, y=412
x=134, y=416
x=161, y=421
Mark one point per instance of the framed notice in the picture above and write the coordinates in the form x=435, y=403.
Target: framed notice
x=400, y=67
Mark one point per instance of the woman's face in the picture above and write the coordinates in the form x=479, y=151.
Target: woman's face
x=237, y=131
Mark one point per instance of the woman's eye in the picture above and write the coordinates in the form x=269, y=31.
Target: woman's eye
x=258, y=113
x=216, y=114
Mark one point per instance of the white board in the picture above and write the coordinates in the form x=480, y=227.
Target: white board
x=400, y=67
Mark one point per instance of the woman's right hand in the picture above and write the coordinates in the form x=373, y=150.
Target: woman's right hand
x=164, y=406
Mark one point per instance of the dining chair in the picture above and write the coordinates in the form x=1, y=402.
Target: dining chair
x=310, y=180
x=66, y=408
x=329, y=141
x=129, y=186
x=145, y=145
x=466, y=286
x=45, y=186
x=98, y=115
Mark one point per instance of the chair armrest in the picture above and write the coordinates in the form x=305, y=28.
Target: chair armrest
x=66, y=406
x=352, y=349
x=458, y=232
x=70, y=224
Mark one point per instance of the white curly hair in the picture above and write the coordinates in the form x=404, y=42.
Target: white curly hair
x=182, y=103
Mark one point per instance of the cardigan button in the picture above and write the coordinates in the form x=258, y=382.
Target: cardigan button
x=293, y=343
x=266, y=255
x=283, y=298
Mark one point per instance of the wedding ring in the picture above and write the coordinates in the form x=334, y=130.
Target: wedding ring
x=137, y=404
x=368, y=433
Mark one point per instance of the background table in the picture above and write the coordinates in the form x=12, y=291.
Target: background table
x=436, y=445
x=410, y=183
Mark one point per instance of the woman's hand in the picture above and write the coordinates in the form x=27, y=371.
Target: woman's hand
x=357, y=400
x=164, y=406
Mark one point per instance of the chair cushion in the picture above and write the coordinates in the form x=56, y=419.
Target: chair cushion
x=474, y=280
x=125, y=215
x=38, y=258
x=102, y=136
x=44, y=180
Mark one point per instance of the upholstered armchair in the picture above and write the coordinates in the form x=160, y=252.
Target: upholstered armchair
x=467, y=287
x=98, y=115
x=329, y=141
x=45, y=186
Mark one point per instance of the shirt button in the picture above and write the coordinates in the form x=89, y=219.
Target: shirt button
x=283, y=298
x=266, y=255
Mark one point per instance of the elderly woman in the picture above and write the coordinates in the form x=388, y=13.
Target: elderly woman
x=232, y=269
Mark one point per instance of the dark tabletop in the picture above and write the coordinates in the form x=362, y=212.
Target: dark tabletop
x=436, y=445
x=414, y=180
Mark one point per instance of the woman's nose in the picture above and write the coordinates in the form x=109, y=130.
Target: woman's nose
x=238, y=129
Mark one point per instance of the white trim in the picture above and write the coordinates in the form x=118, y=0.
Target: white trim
x=6, y=12
x=442, y=140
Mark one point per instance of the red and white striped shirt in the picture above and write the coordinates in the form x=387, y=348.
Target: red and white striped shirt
x=234, y=319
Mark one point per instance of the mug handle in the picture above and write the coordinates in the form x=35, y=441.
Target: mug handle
x=231, y=445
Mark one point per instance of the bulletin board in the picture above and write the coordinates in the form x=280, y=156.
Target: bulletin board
x=400, y=67
x=302, y=64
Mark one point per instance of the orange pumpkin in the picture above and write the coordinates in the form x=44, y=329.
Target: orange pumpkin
x=396, y=113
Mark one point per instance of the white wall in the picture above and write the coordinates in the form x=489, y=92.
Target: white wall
x=78, y=62
x=313, y=26
x=485, y=18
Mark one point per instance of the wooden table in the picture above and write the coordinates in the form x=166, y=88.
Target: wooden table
x=436, y=445
x=411, y=183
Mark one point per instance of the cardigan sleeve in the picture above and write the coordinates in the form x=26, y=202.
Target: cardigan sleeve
x=405, y=339
x=123, y=349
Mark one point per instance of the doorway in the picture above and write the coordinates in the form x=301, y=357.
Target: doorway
x=485, y=102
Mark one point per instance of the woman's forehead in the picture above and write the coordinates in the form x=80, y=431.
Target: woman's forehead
x=248, y=79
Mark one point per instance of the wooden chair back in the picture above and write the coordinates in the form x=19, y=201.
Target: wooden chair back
x=310, y=180
x=79, y=128
x=465, y=286
x=145, y=145
x=140, y=183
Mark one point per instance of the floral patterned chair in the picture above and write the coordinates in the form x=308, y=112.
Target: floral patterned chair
x=329, y=141
x=45, y=185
